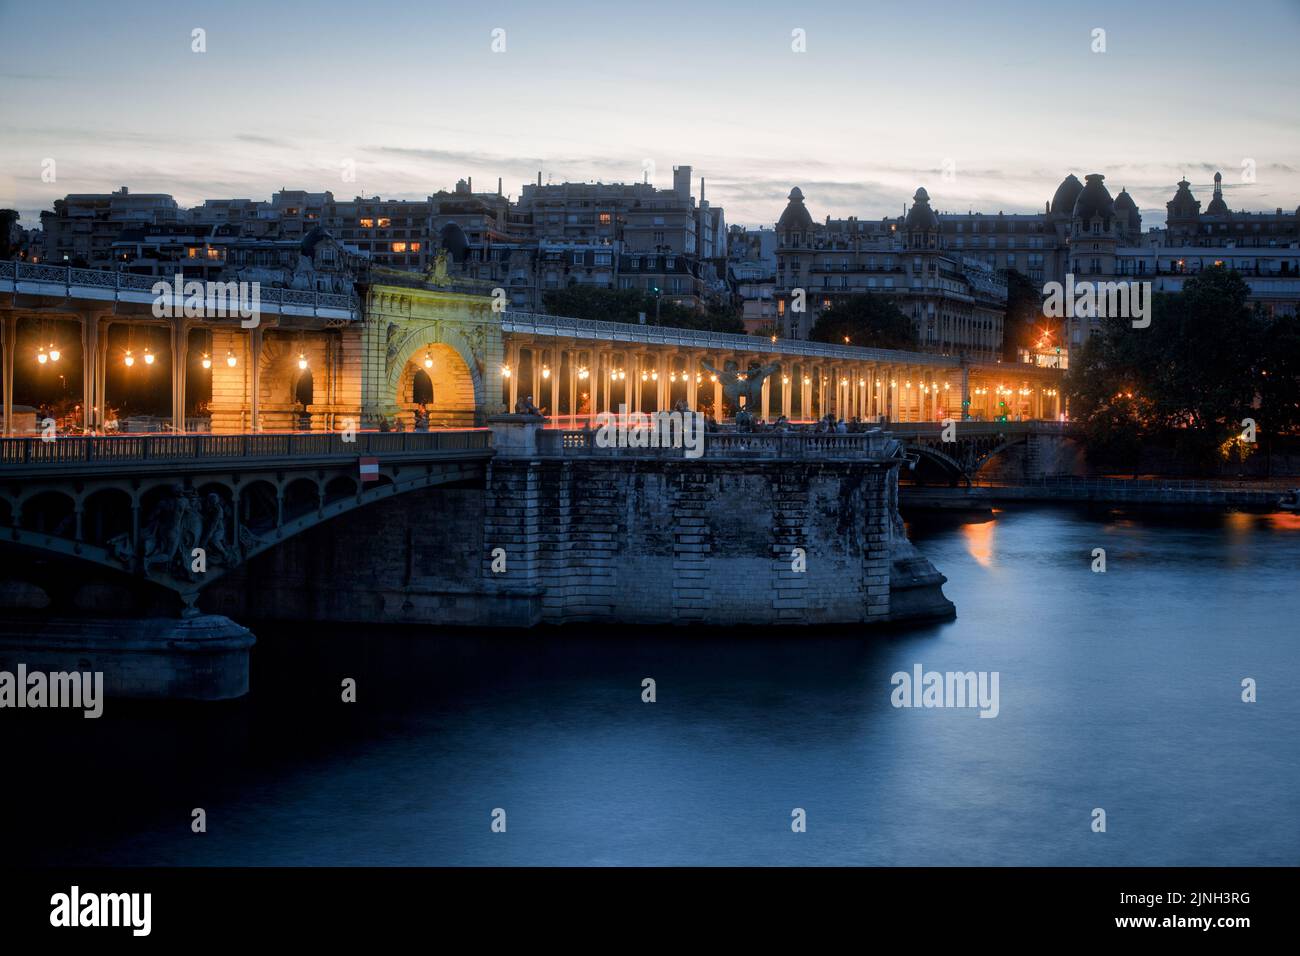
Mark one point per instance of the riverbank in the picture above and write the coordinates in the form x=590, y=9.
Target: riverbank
x=1154, y=492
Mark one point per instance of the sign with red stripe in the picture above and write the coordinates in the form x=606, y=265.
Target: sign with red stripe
x=369, y=469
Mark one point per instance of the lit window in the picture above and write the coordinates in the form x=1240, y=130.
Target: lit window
x=604, y=219
x=398, y=246
x=367, y=224
x=385, y=223
x=415, y=247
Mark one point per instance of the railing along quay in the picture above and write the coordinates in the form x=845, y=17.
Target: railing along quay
x=716, y=445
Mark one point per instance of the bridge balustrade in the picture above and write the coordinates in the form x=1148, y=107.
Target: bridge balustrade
x=784, y=445
x=139, y=449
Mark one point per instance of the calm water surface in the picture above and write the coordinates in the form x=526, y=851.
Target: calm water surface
x=1118, y=690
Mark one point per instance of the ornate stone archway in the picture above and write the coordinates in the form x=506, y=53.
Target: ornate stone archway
x=457, y=329
x=456, y=393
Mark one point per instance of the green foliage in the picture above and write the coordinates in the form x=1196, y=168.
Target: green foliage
x=868, y=320
x=1025, y=318
x=1206, y=362
x=624, y=305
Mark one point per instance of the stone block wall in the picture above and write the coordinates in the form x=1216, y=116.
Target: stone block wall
x=636, y=541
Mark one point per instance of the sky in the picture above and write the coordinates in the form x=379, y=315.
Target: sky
x=988, y=105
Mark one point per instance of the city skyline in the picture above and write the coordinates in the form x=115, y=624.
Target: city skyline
x=249, y=121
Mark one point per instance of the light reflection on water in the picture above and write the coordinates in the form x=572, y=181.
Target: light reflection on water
x=1118, y=690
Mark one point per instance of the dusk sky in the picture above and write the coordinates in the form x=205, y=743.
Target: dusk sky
x=412, y=93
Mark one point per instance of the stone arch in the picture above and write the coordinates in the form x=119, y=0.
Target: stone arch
x=50, y=512
x=280, y=381
x=422, y=388
x=106, y=514
x=458, y=391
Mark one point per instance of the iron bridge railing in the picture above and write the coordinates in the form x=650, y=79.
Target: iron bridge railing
x=151, y=449
x=71, y=278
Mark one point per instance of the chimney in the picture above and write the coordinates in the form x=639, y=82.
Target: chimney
x=471, y=185
x=498, y=185
x=539, y=177
x=701, y=190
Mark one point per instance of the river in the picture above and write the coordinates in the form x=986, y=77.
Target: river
x=1118, y=690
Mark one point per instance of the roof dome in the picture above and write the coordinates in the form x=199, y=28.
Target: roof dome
x=312, y=239
x=454, y=241
x=1217, y=206
x=796, y=216
x=1094, y=200
x=1184, y=205
x=1126, y=209
x=1066, y=194
x=921, y=217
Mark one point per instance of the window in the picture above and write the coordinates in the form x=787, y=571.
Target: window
x=385, y=223
x=578, y=258
x=367, y=224
x=399, y=247
x=603, y=258
x=659, y=220
x=605, y=219
x=415, y=247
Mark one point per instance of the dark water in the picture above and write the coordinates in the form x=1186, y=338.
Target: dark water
x=1118, y=690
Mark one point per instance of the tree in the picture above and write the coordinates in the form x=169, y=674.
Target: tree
x=869, y=320
x=1025, y=324
x=8, y=224
x=1190, y=377
x=625, y=305
x=1279, y=387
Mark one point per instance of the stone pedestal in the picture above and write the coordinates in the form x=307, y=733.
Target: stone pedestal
x=197, y=658
x=515, y=436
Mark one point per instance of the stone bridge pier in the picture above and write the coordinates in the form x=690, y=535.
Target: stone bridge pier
x=760, y=530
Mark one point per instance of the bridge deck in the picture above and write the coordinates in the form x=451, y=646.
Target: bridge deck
x=135, y=453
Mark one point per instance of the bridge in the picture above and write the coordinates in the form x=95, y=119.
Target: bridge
x=960, y=451
x=145, y=505
x=88, y=345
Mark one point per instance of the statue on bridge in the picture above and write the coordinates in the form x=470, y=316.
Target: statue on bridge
x=737, y=383
x=178, y=524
